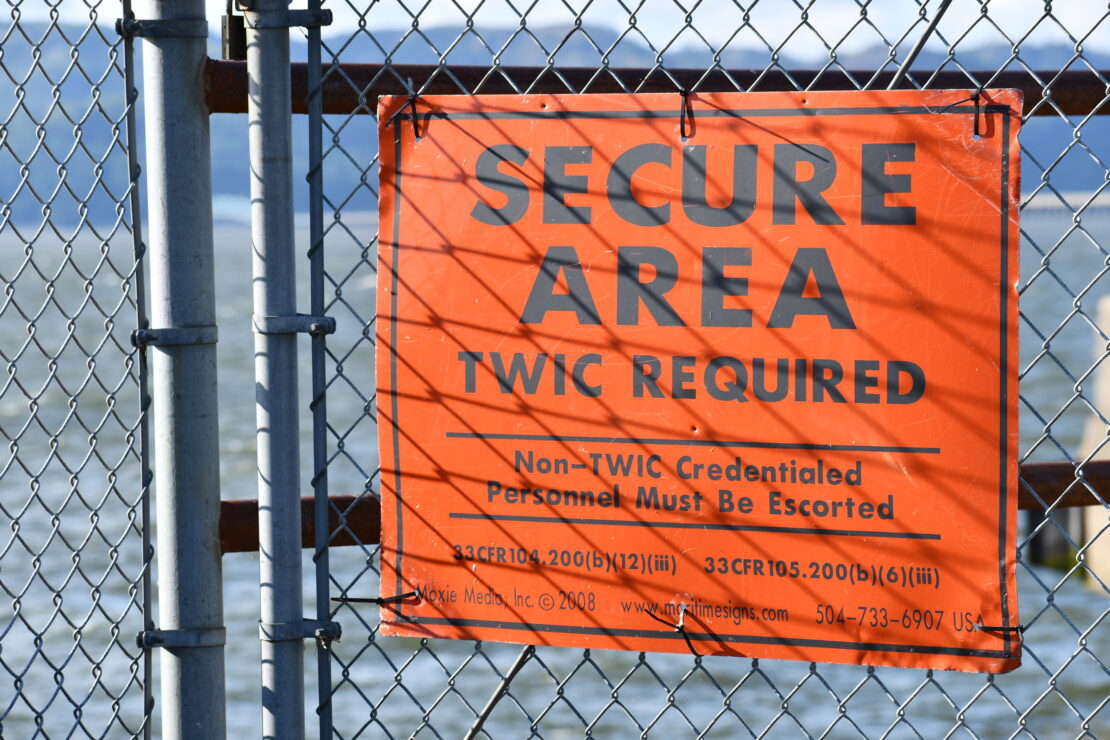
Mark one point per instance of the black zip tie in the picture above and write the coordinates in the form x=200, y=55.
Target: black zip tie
x=381, y=600
x=680, y=627
x=682, y=114
x=975, y=129
x=973, y=98
x=416, y=123
x=1019, y=628
x=410, y=103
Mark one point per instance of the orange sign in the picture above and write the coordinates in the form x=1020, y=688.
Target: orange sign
x=734, y=374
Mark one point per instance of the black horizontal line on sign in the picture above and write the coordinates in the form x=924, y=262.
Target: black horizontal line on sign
x=698, y=442
x=562, y=115
x=696, y=525
x=574, y=629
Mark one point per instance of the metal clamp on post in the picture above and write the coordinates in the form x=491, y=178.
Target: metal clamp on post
x=305, y=629
x=233, y=36
x=317, y=326
x=195, y=638
x=285, y=18
x=176, y=336
x=180, y=28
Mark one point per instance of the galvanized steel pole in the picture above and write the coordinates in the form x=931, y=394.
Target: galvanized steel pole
x=183, y=371
x=275, y=367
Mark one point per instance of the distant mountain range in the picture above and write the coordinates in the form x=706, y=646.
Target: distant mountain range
x=65, y=168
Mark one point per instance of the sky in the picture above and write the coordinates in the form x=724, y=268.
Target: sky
x=850, y=24
x=722, y=21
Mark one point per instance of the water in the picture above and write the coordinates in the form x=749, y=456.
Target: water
x=1063, y=678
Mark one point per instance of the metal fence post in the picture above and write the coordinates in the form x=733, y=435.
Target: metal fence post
x=315, y=104
x=183, y=317
x=276, y=405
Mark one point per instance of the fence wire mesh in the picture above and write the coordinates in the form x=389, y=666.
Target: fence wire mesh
x=72, y=490
x=391, y=687
x=73, y=563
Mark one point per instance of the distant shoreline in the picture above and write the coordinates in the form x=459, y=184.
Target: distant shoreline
x=1048, y=200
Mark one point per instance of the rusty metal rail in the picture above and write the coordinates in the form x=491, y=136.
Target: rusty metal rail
x=361, y=519
x=354, y=88
x=1055, y=483
x=1059, y=484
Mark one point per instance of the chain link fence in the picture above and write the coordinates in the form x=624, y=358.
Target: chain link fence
x=74, y=557
x=75, y=560
x=390, y=687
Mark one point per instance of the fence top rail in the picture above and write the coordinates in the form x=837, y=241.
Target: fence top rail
x=354, y=88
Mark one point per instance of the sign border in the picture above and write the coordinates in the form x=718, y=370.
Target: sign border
x=1004, y=305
